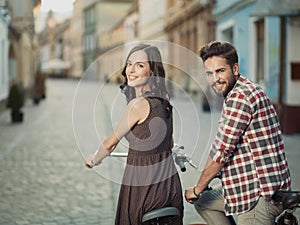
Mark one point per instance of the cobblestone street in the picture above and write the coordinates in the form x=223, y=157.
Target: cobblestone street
x=42, y=176
x=43, y=179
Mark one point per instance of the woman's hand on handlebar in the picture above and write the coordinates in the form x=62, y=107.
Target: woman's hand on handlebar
x=96, y=158
x=89, y=162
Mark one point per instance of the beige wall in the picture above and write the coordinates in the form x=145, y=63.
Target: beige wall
x=76, y=32
x=187, y=26
x=4, y=46
x=22, y=38
x=152, y=19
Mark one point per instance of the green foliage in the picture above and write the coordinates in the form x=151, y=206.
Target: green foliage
x=16, y=97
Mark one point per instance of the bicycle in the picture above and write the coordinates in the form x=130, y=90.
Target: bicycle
x=290, y=200
x=165, y=215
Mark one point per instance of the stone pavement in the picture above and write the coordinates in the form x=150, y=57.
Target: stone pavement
x=42, y=176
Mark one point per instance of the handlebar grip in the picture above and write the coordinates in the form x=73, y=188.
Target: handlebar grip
x=180, y=162
x=182, y=166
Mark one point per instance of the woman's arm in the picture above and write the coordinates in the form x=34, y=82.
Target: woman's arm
x=136, y=111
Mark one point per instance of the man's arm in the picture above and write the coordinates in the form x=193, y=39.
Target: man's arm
x=212, y=168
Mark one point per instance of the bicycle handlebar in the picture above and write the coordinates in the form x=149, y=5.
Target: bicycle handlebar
x=119, y=154
x=180, y=157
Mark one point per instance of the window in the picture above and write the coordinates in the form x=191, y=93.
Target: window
x=89, y=40
x=89, y=16
x=227, y=35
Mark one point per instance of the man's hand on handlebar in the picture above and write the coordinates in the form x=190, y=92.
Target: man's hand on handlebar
x=191, y=195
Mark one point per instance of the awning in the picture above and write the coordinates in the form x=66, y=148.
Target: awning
x=276, y=8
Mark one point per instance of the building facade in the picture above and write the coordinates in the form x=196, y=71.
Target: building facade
x=265, y=34
x=152, y=19
x=98, y=17
x=23, y=47
x=143, y=22
x=174, y=25
x=55, y=47
x=4, y=43
x=190, y=25
x=76, y=33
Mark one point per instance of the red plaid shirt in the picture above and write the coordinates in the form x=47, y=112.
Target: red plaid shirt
x=249, y=143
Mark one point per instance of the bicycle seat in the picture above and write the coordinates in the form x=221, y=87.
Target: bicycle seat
x=163, y=215
x=289, y=199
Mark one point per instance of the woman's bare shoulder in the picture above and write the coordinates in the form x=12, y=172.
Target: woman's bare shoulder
x=140, y=107
x=139, y=102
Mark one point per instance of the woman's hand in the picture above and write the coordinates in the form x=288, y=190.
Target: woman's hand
x=96, y=158
x=89, y=162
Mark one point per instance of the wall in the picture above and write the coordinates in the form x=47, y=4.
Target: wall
x=152, y=19
x=293, y=48
x=4, y=78
x=26, y=73
x=239, y=21
x=238, y=16
x=272, y=57
x=291, y=102
x=76, y=29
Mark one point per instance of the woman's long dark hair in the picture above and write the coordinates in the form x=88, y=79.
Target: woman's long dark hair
x=157, y=74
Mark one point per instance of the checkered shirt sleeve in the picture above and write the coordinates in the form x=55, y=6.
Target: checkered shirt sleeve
x=250, y=146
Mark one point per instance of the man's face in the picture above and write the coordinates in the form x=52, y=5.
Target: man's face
x=221, y=77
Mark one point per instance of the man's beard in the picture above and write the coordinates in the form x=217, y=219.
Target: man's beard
x=219, y=91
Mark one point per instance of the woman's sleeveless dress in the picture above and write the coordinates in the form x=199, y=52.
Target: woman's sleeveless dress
x=150, y=179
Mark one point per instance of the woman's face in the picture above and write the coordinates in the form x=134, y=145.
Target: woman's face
x=137, y=69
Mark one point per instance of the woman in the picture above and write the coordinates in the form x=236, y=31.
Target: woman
x=150, y=179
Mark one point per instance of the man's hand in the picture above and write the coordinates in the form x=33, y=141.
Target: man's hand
x=190, y=196
x=209, y=173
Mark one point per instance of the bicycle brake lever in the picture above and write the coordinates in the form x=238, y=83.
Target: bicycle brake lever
x=182, y=157
x=192, y=164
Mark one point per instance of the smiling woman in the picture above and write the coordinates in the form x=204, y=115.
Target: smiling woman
x=57, y=5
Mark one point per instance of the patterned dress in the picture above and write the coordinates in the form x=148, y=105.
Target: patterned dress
x=150, y=179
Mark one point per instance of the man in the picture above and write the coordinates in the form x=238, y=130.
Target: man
x=248, y=149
